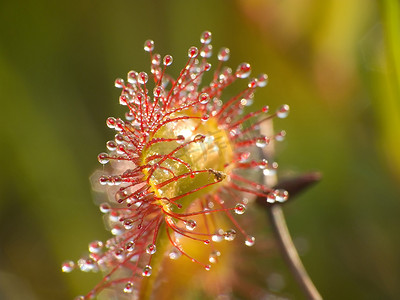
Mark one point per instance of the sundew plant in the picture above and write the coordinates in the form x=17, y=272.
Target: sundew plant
x=182, y=159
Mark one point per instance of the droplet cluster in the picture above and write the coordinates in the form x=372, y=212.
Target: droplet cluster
x=176, y=163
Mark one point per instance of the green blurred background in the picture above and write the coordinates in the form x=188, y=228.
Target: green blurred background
x=336, y=63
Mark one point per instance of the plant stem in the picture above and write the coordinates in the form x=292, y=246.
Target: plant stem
x=277, y=219
x=290, y=253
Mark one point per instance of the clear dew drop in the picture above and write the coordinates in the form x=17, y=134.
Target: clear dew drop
x=95, y=246
x=283, y=111
x=218, y=236
x=167, y=61
x=128, y=289
x=111, y=145
x=151, y=249
x=280, y=136
x=139, y=95
x=103, y=180
x=199, y=138
x=205, y=118
x=105, y=208
x=149, y=45
x=158, y=91
x=249, y=100
x=207, y=67
x=174, y=254
x=132, y=77
x=253, y=83
x=119, y=83
x=121, y=149
x=240, y=209
x=119, y=125
x=119, y=254
x=271, y=198
x=79, y=298
x=180, y=139
x=281, y=195
x=193, y=52
x=68, y=266
x=110, y=122
x=230, y=235
x=190, y=224
x=114, y=216
x=120, y=196
x=128, y=224
x=263, y=164
x=226, y=72
x=262, y=80
x=223, y=54
x=117, y=180
x=156, y=60
x=244, y=102
x=103, y=158
x=130, y=246
x=262, y=142
x=146, y=271
x=119, y=139
x=204, y=98
x=117, y=230
x=87, y=265
x=123, y=100
x=243, y=70
x=143, y=77
x=206, y=52
x=213, y=257
x=206, y=37
x=234, y=132
x=129, y=116
x=244, y=157
x=271, y=170
x=207, y=267
x=250, y=241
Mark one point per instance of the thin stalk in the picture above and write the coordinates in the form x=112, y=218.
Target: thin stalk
x=290, y=254
x=277, y=219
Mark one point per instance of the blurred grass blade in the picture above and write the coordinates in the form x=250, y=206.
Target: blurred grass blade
x=389, y=96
